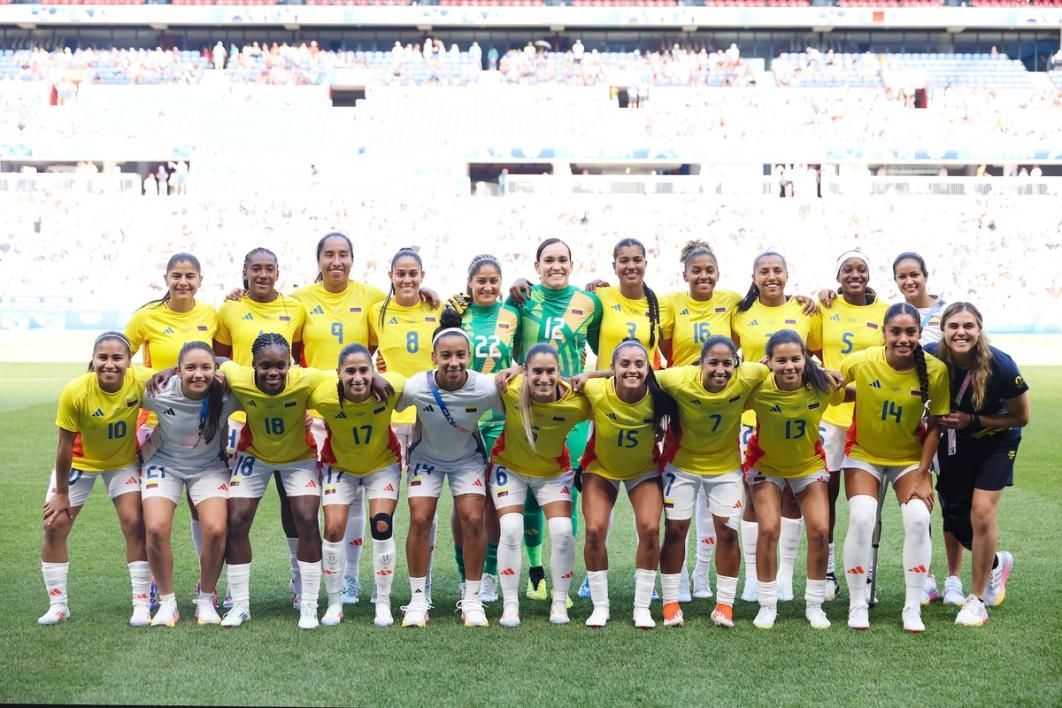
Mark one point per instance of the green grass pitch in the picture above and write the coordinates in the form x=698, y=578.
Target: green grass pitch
x=95, y=657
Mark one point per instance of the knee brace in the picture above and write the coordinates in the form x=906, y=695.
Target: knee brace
x=957, y=520
x=381, y=521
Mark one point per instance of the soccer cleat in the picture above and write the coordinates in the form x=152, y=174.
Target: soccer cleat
x=833, y=588
x=785, y=590
x=598, y=618
x=684, y=588
x=702, y=586
x=765, y=617
x=537, y=592
x=383, y=615
x=510, y=616
x=953, y=591
x=930, y=593
x=817, y=618
x=488, y=590
x=228, y=599
x=859, y=618
x=167, y=616
x=333, y=615
x=973, y=613
x=912, y=620
x=199, y=589
x=206, y=614
x=723, y=616
x=673, y=615
x=235, y=617
x=643, y=619
x=996, y=588
x=351, y=589
x=308, y=618
x=153, y=595
x=558, y=612
x=472, y=613
x=584, y=589
x=293, y=589
x=416, y=614
x=750, y=593
x=141, y=616
x=54, y=615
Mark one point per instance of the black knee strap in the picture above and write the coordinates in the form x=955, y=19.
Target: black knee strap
x=956, y=514
x=385, y=521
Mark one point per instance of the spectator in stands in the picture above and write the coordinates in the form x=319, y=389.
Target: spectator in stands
x=219, y=56
x=577, y=51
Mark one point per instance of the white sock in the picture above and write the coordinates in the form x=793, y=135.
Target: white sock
x=705, y=536
x=293, y=560
x=168, y=600
x=509, y=559
x=140, y=579
x=644, y=580
x=862, y=513
x=205, y=598
x=416, y=590
x=383, y=568
x=767, y=593
x=725, y=589
x=472, y=590
x=333, y=564
x=750, y=532
x=197, y=538
x=561, y=556
x=831, y=564
x=55, y=575
x=311, y=585
x=917, y=549
x=239, y=580
x=814, y=593
x=788, y=545
x=354, y=537
x=669, y=587
x=598, y=580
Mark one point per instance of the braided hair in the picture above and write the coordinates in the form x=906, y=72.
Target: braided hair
x=650, y=296
x=348, y=350
x=170, y=264
x=210, y=414
x=754, y=291
x=401, y=253
x=813, y=374
x=320, y=247
x=665, y=410
x=903, y=308
x=247, y=261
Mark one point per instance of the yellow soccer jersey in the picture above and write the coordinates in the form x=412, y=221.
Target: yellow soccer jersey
x=753, y=327
x=622, y=318
x=623, y=445
x=694, y=321
x=888, y=407
x=334, y=320
x=241, y=321
x=787, y=442
x=359, y=439
x=404, y=342
x=162, y=332
x=709, y=423
x=105, y=423
x=550, y=424
x=846, y=329
x=276, y=425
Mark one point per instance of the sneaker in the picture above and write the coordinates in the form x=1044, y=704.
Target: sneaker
x=536, y=592
x=333, y=615
x=785, y=590
x=141, y=616
x=750, y=593
x=996, y=588
x=859, y=618
x=723, y=616
x=235, y=617
x=673, y=615
x=702, y=586
x=199, y=589
x=416, y=614
x=833, y=588
x=472, y=613
x=929, y=590
x=383, y=615
x=684, y=588
x=510, y=616
x=308, y=618
x=643, y=619
x=953, y=591
x=817, y=618
x=167, y=616
x=558, y=612
x=765, y=617
x=598, y=618
x=153, y=595
x=488, y=589
x=973, y=612
x=351, y=589
x=206, y=614
x=584, y=589
x=227, y=604
x=54, y=615
x=912, y=620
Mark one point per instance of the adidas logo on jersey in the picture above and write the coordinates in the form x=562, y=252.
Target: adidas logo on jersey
x=429, y=408
x=317, y=310
x=248, y=316
x=776, y=408
x=836, y=318
x=98, y=413
x=392, y=321
x=169, y=411
x=685, y=311
x=341, y=414
x=617, y=308
x=611, y=416
x=168, y=330
x=695, y=402
x=875, y=384
x=251, y=404
x=754, y=323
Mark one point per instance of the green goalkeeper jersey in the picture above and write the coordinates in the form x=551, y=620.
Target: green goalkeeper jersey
x=492, y=331
x=568, y=318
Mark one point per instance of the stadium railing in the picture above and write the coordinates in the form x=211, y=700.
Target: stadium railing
x=107, y=183
x=942, y=186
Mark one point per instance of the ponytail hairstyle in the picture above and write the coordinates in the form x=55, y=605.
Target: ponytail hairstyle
x=174, y=260
x=354, y=348
x=401, y=253
x=695, y=248
x=903, y=308
x=813, y=376
x=477, y=263
x=665, y=410
x=754, y=291
x=524, y=401
x=320, y=247
x=111, y=336
x=449, y=326
x=650, y=296
x=247, y=261
x=210, y=412
x=981, y=370
x=717, y=339
x=910, y=256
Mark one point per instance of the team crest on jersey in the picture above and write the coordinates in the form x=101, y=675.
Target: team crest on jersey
x=378, y=411
x=248, y=316
x=577, y=312
x=130, y=404
x=98, y=413
x=916, y=393
x=813, y=406
x=647, y=420
x=503, y=325
x=559, y=419
x=317, y=310
x=168, y=330
x=471, y=409
x=720, y=310
x=734, y=399
x=430, y=319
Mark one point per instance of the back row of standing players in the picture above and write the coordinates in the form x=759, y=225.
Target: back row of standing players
x=902, y=396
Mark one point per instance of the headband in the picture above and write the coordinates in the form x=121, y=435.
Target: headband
x=855, y=253
x=448, y=331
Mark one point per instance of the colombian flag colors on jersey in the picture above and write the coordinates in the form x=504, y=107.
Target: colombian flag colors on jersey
x=241, y=321
x=550, y=424
x=786, y=442
x=404, y=341
x=623, y=445
x=848, y=328
x=162, y=332
x=359, y=439
x=334, y=320
x=567, y=318
x=693, y=321
x=623, y=318
x=492, y=330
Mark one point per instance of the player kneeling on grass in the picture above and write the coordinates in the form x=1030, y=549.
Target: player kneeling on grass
x=530, y=454
x=786, y=448
x=896, y=386
x=360, y=452
x=192, y=409
x=97, y=440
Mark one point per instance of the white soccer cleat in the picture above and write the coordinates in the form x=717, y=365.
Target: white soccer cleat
x=996, y=588
x=684, y=594
x=785, y=590
x=488, y=590
x=54, y=615
x=416, y=614
x=228, y=600
x=973, y=613
x=206, y=613
x=383, y=615
x=833, y=588
x=511, y=615
x=351, y=589
x=751, y=592
x=598, y=618
x=141, y=616
x=953, y=591
x=817, y=618
x=702, y=586
x=643, y=619
x=558, y=612
x=912, y=620
x=308, y=618
x=472, y=613
x=859, y=618
x=333, y=615
x=930, y=593
x=236, y=617
x=765, y=617
x=167, y=616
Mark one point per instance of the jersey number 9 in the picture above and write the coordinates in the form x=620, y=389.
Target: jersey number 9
x=337, y=331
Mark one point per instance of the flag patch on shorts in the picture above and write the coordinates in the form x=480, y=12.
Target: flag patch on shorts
x=502, y=493
x=415, y=482
x=669, y=503
x=151, y=485
x=233, y=483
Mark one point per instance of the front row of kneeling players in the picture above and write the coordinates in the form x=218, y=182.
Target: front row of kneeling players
x=663, y=436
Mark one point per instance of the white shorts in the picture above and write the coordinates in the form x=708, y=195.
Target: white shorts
x=250, y=477
x=166, y=482
x=339, y=487
x=892, y=473
x=509, y=488
x=833, y=440
x=404, y=433
x=743, y=441
x=319, y=431
x=680, y=493
x=630, y=484
x=426, y=478
x=797, y=484
x=235, y=428
x=120, y=481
